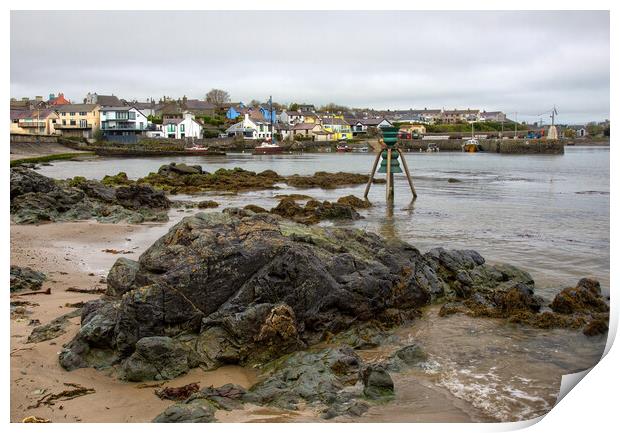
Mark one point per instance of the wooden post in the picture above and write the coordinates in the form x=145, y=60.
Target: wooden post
x=402, y=157
x=389, y=178
x=372, y=174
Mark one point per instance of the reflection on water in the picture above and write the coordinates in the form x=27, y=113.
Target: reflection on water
x=546, y=213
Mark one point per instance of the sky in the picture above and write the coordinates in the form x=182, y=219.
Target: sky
x=523, y=62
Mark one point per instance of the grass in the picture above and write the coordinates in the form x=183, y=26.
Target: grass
x=47, y=158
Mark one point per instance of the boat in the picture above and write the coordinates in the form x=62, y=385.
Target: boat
x=342, y=147
x=267, y=149
x=360, y=149
x=470, y=145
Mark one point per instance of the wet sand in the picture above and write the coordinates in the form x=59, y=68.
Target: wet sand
x=70, y=255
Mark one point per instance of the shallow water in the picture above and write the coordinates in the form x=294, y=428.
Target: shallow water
x=546, y=213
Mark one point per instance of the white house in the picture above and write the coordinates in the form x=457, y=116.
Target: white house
x=127, y=120
x=182, y=127
x=291, y=117
x=250, y=129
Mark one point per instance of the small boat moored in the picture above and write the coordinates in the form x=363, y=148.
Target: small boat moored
x=343, y=147
x=267, y=149
x=471, y=145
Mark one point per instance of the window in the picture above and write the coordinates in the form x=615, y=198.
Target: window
x=83, y=123
x=72, y=113
x=72, y=122
x=82, y=113
x=132, y=115
x=64, y=122
x=182, y=128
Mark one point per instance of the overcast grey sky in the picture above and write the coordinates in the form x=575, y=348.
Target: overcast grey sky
x=510, y=61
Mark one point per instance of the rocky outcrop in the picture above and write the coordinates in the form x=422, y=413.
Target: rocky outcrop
x=314, y=211
x=354, y=202
x=243, y=288
x=25, y=278
x=579, y=307
x=192, y=179
x=35, y=199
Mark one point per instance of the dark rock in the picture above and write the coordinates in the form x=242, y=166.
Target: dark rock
x=138, y=196
x=256, y=209
x=377, y=382
x=246, y=288
x=174, y=168
x=597, y=326
x=584, y=298
x=407, y=356
x=354, y=202
x=310, y=377
x=155, y=358
x=55, y=328
x=122, y=277
x=353, y=408
x=41, y=199
x=25, y=278
x=365, y=336
x=207, y=204
x=24, y=180
x=314, y=211
x=198, y=410
x=226, y=397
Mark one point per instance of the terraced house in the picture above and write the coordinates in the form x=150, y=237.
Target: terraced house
x=78, y=120
x=338, y=126
x=36, y=122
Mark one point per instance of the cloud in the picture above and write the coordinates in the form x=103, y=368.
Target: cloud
x=511, y=61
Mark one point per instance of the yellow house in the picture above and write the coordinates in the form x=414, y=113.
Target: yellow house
x=338, y=126
x=310, y=117
x=36, y=122
x=414, y=129
x=78, y=120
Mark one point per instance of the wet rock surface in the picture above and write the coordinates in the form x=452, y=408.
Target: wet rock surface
x=36, y=199
x=25, y=279
x=55, y=328
x=377, y=382
x=185, y=179
x=580, y=307
x=239, y=287
x=314, y=211
x=247, y=288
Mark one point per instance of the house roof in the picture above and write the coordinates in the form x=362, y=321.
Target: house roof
x=108, y=101
x=333, y=121
x=59, y=100
x=197, y=104
x=76, y=107
x=300, y=126
x=31, y=114
x=468, y=111
x=374, y=121
x=174, y=121
x=118, y=108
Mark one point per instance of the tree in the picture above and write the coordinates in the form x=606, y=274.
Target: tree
x=294, y=106
x=217, y=96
